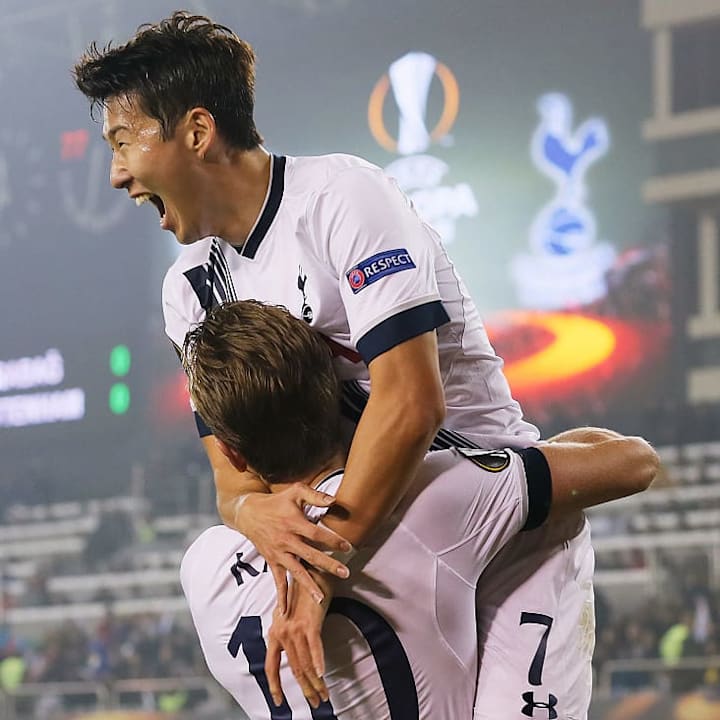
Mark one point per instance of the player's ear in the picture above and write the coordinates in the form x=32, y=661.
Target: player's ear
x=199, y=130
x=236, y=459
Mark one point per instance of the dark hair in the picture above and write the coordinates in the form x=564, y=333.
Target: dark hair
x=170, y=67
x=263, y=381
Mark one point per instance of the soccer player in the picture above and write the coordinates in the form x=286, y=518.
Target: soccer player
x=400, y=637
x=334, y=240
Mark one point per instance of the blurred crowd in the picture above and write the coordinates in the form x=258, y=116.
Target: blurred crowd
x=142, y=646
x=680, y=622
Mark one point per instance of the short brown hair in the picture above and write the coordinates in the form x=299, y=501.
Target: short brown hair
x=263, y=382
x=172, y=66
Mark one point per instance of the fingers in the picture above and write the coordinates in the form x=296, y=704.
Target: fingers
x=281, y=527
x=272, y=670
x=321, y=561
x=326, y=538
x=301, y=663
x=281, y=586
x=298, y=634
x=310, y=496
x=301, y=529
x=303, y=578
x=317, y=656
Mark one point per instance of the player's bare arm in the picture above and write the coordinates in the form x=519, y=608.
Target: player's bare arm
x=275, y=523
x=591, y=466
x=404, y=412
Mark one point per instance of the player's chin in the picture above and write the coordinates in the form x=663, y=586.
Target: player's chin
x=185, y=238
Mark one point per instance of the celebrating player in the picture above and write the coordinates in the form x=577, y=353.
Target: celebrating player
x=258, y=375
x=334, y=240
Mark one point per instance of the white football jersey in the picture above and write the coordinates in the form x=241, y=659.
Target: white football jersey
x=339, y=245
x=400, y=640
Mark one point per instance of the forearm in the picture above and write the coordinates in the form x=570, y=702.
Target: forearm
x=389, y=444
x=586, y=435
x=404, y=412
x=587, y=474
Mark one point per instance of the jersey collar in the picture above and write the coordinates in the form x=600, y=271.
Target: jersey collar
x=330, y=483
x=270, y=208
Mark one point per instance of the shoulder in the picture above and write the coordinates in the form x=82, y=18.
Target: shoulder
x=190, y=257
x=331, y=173
x=346, y=194
x=325, y=167
x=209, y=553
x=205, y=542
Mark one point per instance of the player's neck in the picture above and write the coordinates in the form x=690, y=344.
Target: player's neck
x=237, y=185
x=332, y=468
x=314, y=478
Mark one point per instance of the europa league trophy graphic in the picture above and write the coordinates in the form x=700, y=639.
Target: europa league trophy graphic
x=410, y=77
x=419, y=174
x=566, y=267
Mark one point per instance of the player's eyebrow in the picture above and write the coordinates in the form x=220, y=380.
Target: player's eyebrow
x=108, y=136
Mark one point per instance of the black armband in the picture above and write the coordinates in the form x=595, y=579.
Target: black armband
x=539, y=485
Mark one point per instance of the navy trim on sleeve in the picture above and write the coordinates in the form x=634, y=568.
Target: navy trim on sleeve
x=202, y=428
x=539, y=484
x=401, y=327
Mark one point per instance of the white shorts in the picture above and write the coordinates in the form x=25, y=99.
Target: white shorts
x=536, y=626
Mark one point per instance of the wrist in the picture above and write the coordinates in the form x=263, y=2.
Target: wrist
x=238, y=506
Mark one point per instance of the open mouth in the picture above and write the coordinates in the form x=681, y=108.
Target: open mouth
x=155, y=200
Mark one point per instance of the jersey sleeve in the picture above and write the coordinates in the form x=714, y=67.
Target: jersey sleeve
x=181, y=310
x=383, y=256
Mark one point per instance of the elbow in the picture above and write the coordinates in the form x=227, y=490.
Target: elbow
x=647, y=464
x=429, y=414
x=419, y=419
x=437, y=412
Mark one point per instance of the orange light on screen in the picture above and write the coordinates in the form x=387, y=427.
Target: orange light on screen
x=579, y=344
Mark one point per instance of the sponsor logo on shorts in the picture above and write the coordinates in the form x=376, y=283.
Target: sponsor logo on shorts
x=531, y=705
x=490, y=460
x=378, y=266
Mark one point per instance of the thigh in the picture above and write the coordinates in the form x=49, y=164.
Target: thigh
x=536, y=627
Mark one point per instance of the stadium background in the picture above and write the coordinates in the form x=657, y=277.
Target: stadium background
x=569, y=153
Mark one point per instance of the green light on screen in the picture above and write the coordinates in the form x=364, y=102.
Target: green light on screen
x=120, y=360
x=119, y=398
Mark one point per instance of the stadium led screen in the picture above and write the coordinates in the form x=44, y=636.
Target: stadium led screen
x=514, y=126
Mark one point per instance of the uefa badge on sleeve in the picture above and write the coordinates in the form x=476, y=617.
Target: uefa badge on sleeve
x=356, y=278
x=377, y=267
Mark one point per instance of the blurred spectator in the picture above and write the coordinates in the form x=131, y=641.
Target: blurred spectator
x=12, y=671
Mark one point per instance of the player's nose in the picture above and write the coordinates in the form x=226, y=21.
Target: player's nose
x=119, y=175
